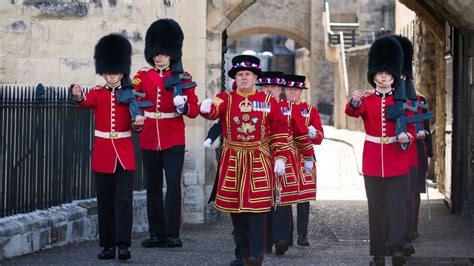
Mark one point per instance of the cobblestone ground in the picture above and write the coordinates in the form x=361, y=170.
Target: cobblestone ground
x=338, y=230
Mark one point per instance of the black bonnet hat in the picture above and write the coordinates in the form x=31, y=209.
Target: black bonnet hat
x=245, y=62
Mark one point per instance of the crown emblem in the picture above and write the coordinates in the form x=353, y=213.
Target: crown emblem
x=245, y=106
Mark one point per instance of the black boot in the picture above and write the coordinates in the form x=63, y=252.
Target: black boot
x=303, y=241
x=173, y=242
x=377, y=261
x=408, y=249
x=123, y=253
x=237, y=262
x=398, y=259
x=252, y=261
x=107, y=254
x=153, y=242
x=281, y=247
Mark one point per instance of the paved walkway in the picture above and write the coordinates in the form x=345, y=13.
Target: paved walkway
x=338, y=228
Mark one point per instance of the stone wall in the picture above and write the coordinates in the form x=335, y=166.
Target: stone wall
x=52, y=42
x=429, y=81
x=58, y=226
x=356, y=60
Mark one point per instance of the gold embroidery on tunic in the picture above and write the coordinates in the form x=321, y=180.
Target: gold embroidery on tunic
x=245, y=106
x=246, y=128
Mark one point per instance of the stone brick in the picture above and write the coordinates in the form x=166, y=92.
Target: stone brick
x=59, y=8
x=58, y=234
x=90, y=206
x=15, y=38
x=37, y=70
x=9, y=228
x=77, y=230
x=53, y=217
x=17, y=245
x=44, y=238
x=193, y=200
x=76, y=71
x=73, y=212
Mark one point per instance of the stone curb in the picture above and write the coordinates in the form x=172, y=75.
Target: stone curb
x=58, y=226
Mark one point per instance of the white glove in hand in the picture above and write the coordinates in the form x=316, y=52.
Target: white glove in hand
x=279, y=167
x=308, y=166
x=421, y=134
x=207, y=143
x=429, y=161
x=205, y=107
x=311, y=132
x=179, y=101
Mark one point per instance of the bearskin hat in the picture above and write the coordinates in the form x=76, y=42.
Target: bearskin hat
x=407, y=48
x=113, y=55
x=407, y=69
x=385, y=54
x=164, y=36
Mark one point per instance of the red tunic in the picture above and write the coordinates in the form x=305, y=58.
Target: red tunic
x=253, y=128
x=162, y=133
x=300, y=144
x=383, y=160
x=110, y=117
x=308, y=181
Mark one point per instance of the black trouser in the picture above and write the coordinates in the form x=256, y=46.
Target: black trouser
x=115, y=207
x=281, y=220
x=164, y=219
x=302, y=218
x=249, y=228
x=385, y=198
x=268, y=230
x=410, y=205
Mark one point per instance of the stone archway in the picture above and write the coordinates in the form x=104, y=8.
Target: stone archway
x=291, y=34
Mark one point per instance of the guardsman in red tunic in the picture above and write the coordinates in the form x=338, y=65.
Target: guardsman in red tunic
x=113, y=158
x=162, y=140
x=385, y=164
x=253, y=129
x=287, y=185
x=295, y=84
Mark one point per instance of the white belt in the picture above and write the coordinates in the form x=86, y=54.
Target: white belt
x=160, y=115
x=112, y=135
x=381, y=140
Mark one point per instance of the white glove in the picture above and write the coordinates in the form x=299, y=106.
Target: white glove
x=207, y=143
x=179, y=101
x=429, y=161
x=421, y=134
x=308, y=166
x=206, y=106
x=279, y=167
x=311, y=132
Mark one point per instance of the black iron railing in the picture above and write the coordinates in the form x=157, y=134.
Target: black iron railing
x=45, y=149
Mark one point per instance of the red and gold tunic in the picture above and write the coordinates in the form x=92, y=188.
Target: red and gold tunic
x=308, y=181
x=300, y=145
x=253, y=127
x=163, y=127
x=110, y=117
x=379, y=159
